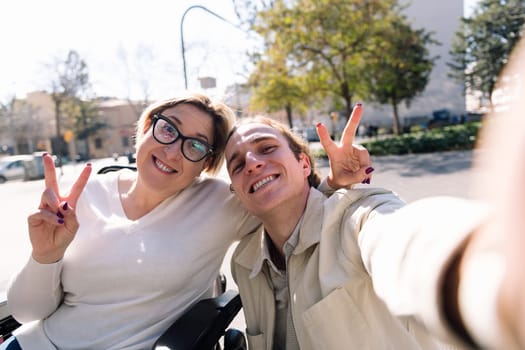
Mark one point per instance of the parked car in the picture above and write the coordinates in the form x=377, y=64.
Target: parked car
x=13, y=168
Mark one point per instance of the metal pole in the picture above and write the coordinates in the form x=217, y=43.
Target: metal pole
x=182, y=35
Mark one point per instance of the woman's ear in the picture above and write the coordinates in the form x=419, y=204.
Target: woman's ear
x=208, y=163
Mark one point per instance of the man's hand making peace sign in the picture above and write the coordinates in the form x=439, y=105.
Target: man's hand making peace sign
x=349, y=163
x=53, y=226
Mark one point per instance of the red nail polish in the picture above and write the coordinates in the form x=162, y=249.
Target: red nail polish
x=319, y=124
x=64, y=206
x=60, y=221
x=369, y=170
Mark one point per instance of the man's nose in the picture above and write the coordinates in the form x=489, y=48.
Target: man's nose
x=253, y=162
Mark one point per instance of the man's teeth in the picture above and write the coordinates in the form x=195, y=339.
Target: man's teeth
x=261, y=183
x=163, y=167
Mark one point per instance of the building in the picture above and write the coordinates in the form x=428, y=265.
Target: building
x=442, y=92
x=31, y=126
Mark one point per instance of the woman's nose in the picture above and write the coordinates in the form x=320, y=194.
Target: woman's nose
x=174, y=150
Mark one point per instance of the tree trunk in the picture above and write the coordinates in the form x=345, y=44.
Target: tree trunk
x=288, y=109
x=396, y=119
x=347, y=96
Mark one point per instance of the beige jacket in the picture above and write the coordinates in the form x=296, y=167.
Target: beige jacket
x=350, y=244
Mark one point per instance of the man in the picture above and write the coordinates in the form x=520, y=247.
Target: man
x=357, y=270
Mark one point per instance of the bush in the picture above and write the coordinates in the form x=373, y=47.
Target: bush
x=448, y=138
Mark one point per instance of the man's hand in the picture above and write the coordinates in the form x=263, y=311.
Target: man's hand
x=349, y=163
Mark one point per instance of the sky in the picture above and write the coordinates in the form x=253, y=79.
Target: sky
x=129, y=45
x=107, y=34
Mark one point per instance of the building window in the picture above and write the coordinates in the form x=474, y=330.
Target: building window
x=125, y=142
x=98, y=143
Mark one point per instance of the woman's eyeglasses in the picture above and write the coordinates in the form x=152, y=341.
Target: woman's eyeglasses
x=166, y=133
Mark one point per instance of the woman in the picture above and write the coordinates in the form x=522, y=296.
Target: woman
x=146, y=245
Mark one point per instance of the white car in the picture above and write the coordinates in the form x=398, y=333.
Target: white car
x=12, y=167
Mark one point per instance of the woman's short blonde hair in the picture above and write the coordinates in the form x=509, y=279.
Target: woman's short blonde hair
x=222, y=116
x=297, y=144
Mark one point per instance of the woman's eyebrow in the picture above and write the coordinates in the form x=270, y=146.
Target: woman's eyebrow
x=179, y=123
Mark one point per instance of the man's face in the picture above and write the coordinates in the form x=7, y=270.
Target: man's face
x=265, y=173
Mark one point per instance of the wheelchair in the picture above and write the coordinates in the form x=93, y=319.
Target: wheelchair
x=199, y=328
x=204, y=326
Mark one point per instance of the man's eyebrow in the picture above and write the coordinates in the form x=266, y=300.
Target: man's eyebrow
x=258, y=139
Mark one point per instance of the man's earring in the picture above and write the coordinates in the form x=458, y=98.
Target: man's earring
x=231, y=189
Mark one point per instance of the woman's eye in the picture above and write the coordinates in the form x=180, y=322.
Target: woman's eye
x=198, y=146
x=168, y=129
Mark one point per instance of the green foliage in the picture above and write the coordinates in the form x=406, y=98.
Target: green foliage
x=327, y=42
x=483, y=44
x=448, y=138
x=399, y=69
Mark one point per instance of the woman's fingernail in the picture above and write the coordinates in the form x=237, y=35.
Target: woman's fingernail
x=60, y=221
x=60, y=215
x=363, y=182
x=368, y=181
x=369, y=170
x=88, y=164
x=64, y=206
x=44, y=154
x=319, y=124
x=359, y=104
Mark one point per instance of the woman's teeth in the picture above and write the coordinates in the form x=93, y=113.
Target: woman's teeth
x=163, y=167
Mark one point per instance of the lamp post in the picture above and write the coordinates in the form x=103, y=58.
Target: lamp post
x=182, y=35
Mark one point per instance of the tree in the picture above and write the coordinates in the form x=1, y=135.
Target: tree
x=70, y=84
x=85, y=122
x=484, y=42
x=328, y=40
x=275, y=86
x=139, y=72
x=400, y=67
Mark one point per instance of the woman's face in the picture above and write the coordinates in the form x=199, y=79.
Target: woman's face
x=163, y=168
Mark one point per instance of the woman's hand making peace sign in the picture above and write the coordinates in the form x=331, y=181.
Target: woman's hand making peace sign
x=53, y=226
x=349, y=163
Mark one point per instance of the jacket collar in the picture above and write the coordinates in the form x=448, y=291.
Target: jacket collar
x=253, y=254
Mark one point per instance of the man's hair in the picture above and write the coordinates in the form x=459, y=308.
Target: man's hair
x=296, y=143
x=222, y=117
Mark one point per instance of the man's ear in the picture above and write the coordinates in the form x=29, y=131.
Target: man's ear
x=307, y=166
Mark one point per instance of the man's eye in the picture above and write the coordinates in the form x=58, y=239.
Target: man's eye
x=268, y=149
x=236, y=168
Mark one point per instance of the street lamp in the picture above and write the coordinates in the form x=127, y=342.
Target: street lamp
x=182, y=34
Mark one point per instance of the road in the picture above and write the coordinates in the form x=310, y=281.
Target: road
x=411, y=176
